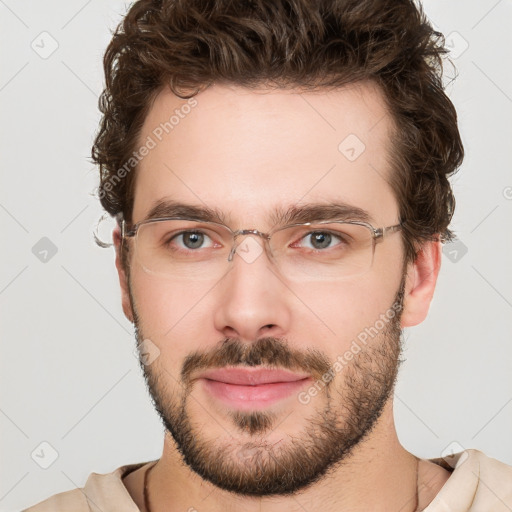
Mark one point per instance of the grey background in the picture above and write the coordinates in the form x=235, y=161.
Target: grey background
x=68, y=374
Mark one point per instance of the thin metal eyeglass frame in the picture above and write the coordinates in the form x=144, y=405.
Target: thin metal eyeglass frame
x=376, y=233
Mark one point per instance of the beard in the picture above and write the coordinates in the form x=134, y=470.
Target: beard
x=254, y=466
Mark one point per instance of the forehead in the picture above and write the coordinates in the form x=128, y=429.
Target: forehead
x=248, y=152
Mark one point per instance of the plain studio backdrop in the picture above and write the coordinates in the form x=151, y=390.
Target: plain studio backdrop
x=73, y=399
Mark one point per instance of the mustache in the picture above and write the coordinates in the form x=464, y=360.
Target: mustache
x=269, y=352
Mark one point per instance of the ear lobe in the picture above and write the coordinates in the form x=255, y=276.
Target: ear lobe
x=420, y=283
x=123, y=278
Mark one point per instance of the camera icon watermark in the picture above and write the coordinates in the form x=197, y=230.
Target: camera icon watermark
x=507, y=193
x=45, y=45
x=351, y=147
x=147, y=352
x=251, y=457
x=452, y=456
x=456, y=44
x=44, y=455
x=455, y=251
x=249, y=249
x=44, y=250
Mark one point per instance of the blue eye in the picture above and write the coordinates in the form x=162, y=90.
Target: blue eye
x=321, y=239
x=191, y=239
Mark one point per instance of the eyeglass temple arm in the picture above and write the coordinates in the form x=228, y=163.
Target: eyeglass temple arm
x=381, y=232
x=125, y=231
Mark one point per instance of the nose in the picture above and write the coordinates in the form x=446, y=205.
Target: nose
x=252, y=299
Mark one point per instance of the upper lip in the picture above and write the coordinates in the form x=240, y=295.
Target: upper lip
x=251, y=376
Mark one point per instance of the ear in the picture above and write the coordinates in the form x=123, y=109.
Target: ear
x=420, y=283
x=123, y=279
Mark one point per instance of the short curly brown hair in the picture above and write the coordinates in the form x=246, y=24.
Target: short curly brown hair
x=307, y=44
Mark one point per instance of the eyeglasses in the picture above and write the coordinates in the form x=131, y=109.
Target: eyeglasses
x=182, y=248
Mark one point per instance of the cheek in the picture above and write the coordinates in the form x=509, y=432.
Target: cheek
x=343, y=310
x=167, y=308
x=171, y=316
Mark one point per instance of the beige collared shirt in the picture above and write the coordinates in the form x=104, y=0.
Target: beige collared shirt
x=477, y=484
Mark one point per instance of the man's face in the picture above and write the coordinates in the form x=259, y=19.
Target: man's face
x=247, y=153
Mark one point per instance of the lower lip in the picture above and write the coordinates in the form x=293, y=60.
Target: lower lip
x=251, y=397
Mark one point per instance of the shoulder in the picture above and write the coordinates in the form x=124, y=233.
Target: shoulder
x=70, y=500
x=494, y=472
x=104, y=491
x=481, y=465
x=477, y=483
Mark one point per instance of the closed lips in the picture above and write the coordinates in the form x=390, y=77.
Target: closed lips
x=251, y=377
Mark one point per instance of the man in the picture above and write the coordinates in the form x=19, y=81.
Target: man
x=279, y=172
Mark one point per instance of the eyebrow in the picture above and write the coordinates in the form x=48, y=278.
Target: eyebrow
x=279, y=216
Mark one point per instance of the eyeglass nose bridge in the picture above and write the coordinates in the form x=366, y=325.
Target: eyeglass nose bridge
x=241, y=232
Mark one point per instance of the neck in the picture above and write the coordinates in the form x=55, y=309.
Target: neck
x=379, y=475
